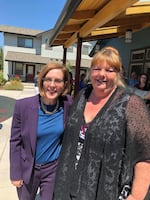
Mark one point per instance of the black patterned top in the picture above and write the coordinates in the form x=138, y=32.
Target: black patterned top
x=117, y=138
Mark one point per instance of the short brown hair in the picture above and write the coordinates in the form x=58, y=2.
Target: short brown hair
x=46, y=69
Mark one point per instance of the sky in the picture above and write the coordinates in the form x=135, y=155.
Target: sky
x=32, y=14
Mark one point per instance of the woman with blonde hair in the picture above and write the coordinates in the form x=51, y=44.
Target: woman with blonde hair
x=106, y=145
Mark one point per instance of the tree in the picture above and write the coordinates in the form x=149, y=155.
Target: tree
x=1, y=58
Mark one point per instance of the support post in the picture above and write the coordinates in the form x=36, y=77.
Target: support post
x=78, y=64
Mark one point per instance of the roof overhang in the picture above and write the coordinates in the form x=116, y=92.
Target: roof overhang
x=99, y=19
x=37, y=59
x=26, y=58
x=19, y=31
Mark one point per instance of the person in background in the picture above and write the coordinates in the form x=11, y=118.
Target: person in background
x=36, y=83
x=144, y=94
x=133, y=79
x=142, y=89
x=106, y=146
x=82, y=83
x=36, y=134
x=143, y=82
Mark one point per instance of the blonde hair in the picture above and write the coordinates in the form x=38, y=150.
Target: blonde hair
x=46, y=69
x=112, y=57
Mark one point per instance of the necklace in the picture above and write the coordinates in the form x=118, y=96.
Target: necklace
x=48, y=112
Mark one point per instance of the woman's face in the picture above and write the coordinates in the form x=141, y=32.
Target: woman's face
x=143, y=78
x=103, y=77
x=53, y=85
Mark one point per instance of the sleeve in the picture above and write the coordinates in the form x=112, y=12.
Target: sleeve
x=15, y=145
x=138, y=129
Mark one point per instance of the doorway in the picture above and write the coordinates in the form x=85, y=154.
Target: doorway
x=30, y=73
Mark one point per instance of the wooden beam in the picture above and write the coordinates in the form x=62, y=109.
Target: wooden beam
x=71, y=41
x=64, y=36
x=71, y=28
x=140, y=3
x=129, y=20
x=106, y=30
x=59, y=42
x=114, y=8
x=138, y=10
x=83, y=14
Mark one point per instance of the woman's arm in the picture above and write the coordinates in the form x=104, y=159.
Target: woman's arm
x=138, y=118
x=141, y=181
x=15, y=145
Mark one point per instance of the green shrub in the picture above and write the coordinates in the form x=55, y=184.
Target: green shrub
x=2, y=80
x=14, y=84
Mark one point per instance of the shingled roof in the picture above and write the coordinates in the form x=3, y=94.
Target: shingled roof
x=20, y=31
x=26, y=57
x=32, y=58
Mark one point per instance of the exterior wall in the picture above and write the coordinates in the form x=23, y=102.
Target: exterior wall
x=57, y=52
x=39, y=48
x=10, y=44
x=139, y=40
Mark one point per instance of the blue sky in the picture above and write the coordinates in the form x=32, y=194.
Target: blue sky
x=34, y=14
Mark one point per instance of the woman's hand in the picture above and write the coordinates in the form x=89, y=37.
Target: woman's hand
x=141, y=181
x=18, y=183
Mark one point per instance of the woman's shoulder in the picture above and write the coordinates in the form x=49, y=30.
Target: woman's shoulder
x=27, y=100
x=67, y=98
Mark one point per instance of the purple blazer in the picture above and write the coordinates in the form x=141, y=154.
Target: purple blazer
x=24, y=135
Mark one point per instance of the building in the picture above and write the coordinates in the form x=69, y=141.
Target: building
x=26, y=51
x=122, y=24
x=135, y=54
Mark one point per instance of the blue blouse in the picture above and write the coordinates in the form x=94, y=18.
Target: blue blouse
x=49, y=132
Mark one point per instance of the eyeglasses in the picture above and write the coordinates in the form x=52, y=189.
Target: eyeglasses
x=49, y=80
x=144, y=77
x=107, y=70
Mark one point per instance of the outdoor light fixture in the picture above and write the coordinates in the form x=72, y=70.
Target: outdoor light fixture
x=128, y=36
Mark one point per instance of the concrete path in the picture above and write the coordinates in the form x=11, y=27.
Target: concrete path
x=7, y=190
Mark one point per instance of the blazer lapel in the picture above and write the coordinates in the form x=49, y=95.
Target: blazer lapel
x=34, y=122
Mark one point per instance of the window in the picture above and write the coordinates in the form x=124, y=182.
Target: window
x=19, y=69
x=140, y=60
x=25, y=42
x=85, y=49
x=137, y=67
x=138, y=55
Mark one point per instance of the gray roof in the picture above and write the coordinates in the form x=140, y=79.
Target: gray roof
x=21, y=31
x=38, y=59
x=26, y=58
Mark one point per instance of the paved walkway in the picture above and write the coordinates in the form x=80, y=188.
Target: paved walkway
x=7, y=190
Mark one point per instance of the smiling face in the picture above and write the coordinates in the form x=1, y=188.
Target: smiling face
x=103, y=77
x=106, y=69
x=53, y=85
